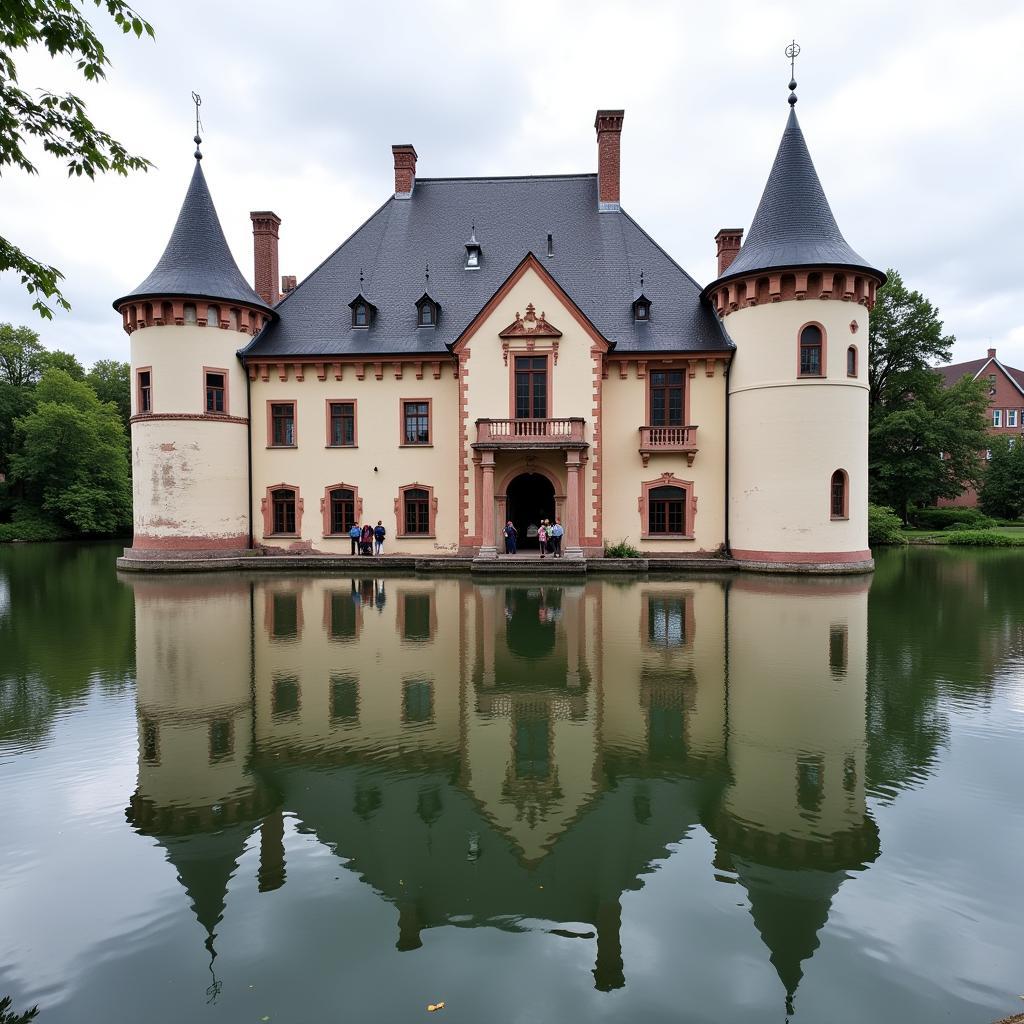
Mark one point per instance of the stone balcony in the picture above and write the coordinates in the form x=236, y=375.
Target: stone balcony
x=563, y=432
x=668, y=441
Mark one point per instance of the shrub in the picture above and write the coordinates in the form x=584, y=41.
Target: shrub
x=884, y=526
x=984, y=539
x=981, y=523
x=621, y=550
x=29, y=526
x=943, y=518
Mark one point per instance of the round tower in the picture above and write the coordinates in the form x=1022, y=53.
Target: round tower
x=795, y=299
x=190, y=418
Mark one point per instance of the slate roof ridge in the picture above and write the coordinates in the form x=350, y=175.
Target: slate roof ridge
x=506, y=177
x=729, y=343
x=352, y=234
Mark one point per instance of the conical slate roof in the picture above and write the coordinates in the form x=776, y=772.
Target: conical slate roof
x=197, y=262
x=793, y=225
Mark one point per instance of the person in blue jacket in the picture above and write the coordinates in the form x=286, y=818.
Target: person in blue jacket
x=379, y=533
x=353, y=534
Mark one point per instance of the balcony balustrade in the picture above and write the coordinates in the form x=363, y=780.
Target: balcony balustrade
x=557, y=432
x=668, y=441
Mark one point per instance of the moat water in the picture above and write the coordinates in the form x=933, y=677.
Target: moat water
x=316, y=798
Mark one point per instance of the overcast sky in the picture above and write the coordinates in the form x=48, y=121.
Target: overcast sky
x=912, y=111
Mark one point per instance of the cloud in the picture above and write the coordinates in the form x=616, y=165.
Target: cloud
x=907, y=110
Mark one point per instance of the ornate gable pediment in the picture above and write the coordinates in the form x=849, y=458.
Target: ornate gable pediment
x=530, y=326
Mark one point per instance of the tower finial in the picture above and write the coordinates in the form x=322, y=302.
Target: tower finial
x=197, y=100
x=792, y=52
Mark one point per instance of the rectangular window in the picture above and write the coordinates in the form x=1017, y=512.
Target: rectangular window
x=666, y=622
x=222, y=740
x=667, y=392
x=215, y=392
x=417, y=511
x=145, y=391
x=417, y=701
x=342, y=431
x=343, y=615
x=282, y=425
x=415, y=423
x=344, y=700
x=997, y=417
x=838, y=648
x=150, y=742
x=283, y=515
x=285, y=697
x=810, y=782
x=531, y=387
x=416, y=617
x=533, y=747
x=285, y=611
x=1011, y=417
x=666, y=510
x=343, y=510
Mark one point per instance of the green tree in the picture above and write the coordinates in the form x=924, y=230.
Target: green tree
x=927, y=446
x=111, y=380
x=8, y=1016
x=924, y=439
x=58, y=122
x=65, y=361
x=14, y=403
x=1002, y=486
x=22, y=356
x=904, y=337
x=72, y=458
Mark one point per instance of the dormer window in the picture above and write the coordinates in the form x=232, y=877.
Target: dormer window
x=473, y=252
x=427, y=311
x=362, y=311
x=641, y=307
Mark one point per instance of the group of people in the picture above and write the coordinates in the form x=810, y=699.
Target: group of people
x=549, y=538
x=367, y=539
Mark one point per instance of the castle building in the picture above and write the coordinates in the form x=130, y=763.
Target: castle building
x=1005, y=403
x=486, y=350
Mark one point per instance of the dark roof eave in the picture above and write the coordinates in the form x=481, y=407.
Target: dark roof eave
x=860, y=268
x=146, y=296
x=328, y=357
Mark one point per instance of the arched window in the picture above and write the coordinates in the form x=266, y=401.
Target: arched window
x=283, y=511
x=359, y=315
x=425, y=314
x=811, y=352
x=851, y=361
x=212, y=316
x=839, y=495
x=666, y=510
x=190, y=313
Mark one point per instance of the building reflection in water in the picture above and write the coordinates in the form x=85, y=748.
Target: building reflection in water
x=491, y=754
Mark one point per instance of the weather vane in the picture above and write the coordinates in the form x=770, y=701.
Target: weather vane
x=197, y=100
x=792, y=52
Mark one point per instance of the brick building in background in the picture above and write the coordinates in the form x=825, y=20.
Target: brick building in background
x=1006, y=404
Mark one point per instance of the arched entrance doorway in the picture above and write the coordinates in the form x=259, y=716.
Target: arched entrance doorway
x=530, y=498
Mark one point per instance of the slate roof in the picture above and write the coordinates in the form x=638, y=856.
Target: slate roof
x=597, y=259
x=197, y=262
x=793, y=225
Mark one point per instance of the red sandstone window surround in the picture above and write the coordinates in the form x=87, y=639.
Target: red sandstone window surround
x=811, y=351
x=281, y=427
x=341, y=424
x=144, y=390
x=840, y=496
x=215, y=384
x=851, y=361
x=416, y=422
x=667, y=509
x=416, y=511
x=282, y=509
x=531, y=387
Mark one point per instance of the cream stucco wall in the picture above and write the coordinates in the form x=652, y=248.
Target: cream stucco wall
x=624, y=410
x=489, y=380
x=377, y=467
x=189, y=476
x=789, y=435
x=797, y=692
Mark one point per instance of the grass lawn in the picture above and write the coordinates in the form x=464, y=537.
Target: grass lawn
x=914, y=534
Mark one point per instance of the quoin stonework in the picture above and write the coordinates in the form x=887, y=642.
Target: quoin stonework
x=486, y=350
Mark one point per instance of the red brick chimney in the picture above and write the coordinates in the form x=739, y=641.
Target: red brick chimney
x=288, y=284
x=991, y=353
x=264, y=249
x=729, y=241
x=608, y=124
x=405, y=170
